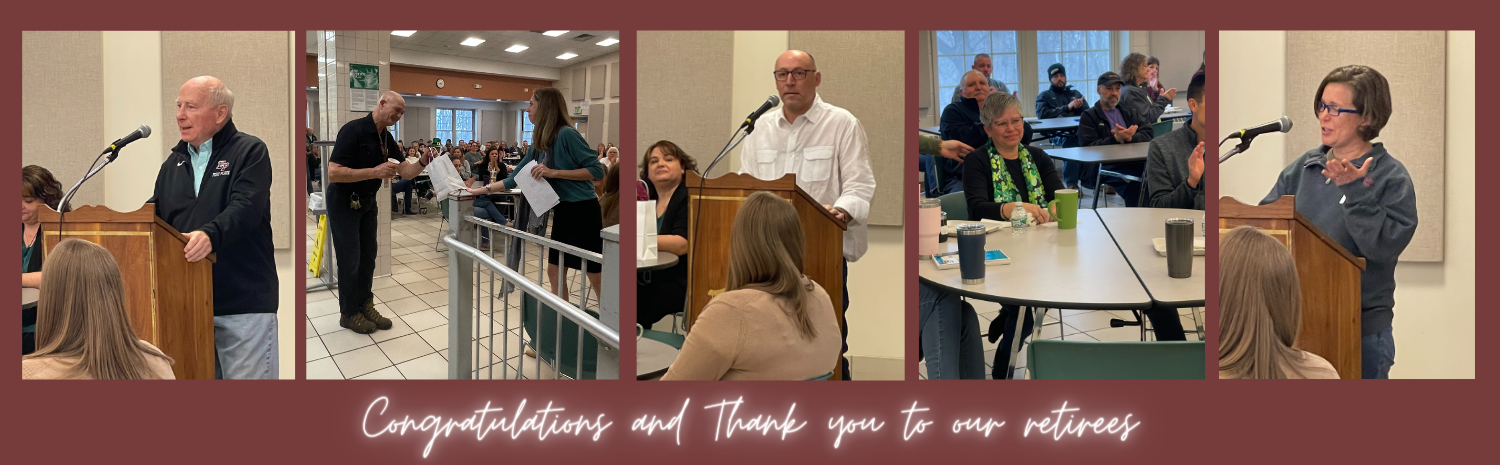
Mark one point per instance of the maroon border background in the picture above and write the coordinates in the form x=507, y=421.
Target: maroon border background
x=306, y=421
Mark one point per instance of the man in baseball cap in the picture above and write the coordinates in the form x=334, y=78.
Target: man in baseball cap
x=1107, y=123
x=1062, y=101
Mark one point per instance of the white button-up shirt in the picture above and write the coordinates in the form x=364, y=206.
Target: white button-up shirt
x=826, y=149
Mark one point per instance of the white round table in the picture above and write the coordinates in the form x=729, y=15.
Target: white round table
x=29, y=297
x=1078, y=268
x=652, y=358
x=1133, y=230
x=662, y=260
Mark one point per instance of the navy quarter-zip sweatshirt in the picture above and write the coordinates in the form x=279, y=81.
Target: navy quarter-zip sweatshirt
x=1374, y=221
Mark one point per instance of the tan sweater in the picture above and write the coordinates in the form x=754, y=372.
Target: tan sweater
x=1311, y=366
x=58, y=367
x=747, y=335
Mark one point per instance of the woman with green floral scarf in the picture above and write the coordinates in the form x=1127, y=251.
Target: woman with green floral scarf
x=999, y=176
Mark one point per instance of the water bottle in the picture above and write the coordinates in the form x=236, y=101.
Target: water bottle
x=1018, y=217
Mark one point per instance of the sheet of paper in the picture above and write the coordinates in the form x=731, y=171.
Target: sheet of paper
x=538, y=192
x=445, y=179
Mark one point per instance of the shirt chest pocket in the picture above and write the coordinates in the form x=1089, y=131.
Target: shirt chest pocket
x=817, y=163
x=765, y=161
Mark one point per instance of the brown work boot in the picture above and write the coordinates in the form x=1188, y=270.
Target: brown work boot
x=370, y=313
x=357, y=323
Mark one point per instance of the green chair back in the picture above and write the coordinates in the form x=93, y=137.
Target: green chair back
x=1051, y=359
x=545, y=341
x=672, y=339
x=822, y=378
x=955, y=206
x=1161, y=128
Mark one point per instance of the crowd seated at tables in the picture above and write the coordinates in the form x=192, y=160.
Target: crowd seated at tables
x=985, y=150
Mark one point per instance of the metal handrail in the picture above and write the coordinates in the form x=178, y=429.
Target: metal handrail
x=601, y=332
x=509, y=231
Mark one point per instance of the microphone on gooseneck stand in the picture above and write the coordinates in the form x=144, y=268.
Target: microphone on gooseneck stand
x=771, y=102
x=113, y=151
x=1247, y=135
x=140, y=133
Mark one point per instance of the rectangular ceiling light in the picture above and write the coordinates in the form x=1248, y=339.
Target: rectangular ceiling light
x=554, y=33
x=608, y=42
x=403, y=33
x=518, y=48
x=472, y=41
x=567, y=56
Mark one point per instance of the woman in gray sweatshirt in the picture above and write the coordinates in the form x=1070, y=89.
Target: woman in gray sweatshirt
x=1358, y=194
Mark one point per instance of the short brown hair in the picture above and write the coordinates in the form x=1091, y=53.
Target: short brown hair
x=1372, y=96
x=670, y=149
x=38, y=183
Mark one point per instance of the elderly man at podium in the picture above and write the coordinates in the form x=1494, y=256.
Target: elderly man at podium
x=824, y=146
x=1359, y=195
x=216, y=185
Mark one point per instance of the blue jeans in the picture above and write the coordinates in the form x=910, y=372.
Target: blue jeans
x=246, y=346
x=949, y=337
x=1377, y=354
x=403, y=186
x=485, y=209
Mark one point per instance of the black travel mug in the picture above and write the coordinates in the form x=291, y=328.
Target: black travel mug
x=1180, y=247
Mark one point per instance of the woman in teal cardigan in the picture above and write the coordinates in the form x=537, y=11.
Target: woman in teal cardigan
x=567, y=162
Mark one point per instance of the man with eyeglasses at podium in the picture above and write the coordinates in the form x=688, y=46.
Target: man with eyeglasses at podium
x=822, y=144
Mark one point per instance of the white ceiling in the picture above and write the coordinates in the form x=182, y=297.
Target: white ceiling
x=543, y=52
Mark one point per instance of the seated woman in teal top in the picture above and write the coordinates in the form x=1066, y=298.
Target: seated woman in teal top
x=570, y=166
x=38, y=189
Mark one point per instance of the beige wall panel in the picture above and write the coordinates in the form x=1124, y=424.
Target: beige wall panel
x=62, y=98
x=674, y=100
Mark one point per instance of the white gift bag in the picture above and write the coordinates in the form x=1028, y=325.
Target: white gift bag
x=645, y=230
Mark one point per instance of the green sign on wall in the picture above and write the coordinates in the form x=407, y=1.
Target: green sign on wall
x=366, y=77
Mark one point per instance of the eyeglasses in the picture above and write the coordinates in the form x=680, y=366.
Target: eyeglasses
x=1014, y=122
x=798, y=73
x=1332, y=109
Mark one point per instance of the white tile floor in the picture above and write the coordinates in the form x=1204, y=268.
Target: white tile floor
x=1076, y=325
x=415, y=298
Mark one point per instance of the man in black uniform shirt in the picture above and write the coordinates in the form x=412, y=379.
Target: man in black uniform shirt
x=355, y=169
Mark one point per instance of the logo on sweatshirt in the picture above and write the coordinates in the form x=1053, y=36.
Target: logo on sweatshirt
x=222, y=167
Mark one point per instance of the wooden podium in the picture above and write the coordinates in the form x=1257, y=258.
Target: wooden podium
x=170, y=301
x=708, y=272
x=1328, y=273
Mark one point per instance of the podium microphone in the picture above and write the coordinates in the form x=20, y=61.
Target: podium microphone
x=140, y=133
x=1281, y=125
x=1247, y=135
x=113, y=151
x=771, y=102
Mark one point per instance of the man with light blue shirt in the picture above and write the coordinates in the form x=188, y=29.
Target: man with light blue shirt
x=215, y=187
